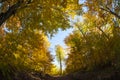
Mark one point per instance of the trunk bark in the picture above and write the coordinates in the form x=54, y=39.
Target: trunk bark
x=11, y=11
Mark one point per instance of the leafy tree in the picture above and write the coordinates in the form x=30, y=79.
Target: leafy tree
x=104, y=8
x=104, y=15
x=60, y=54
x=47, y=15
x=92, y=48
x=25, y=50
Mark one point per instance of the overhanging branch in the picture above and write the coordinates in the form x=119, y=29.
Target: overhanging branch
x=1, y=1
x=11, y=11
x=110, y=11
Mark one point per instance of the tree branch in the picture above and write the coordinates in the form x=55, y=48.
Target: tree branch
x=1, y=1
x=11, y=11
x=103, y=33
x=110, y=11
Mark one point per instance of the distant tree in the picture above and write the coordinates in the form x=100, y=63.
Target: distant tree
x=60, y=54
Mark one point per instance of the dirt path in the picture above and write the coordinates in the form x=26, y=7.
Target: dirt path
x=115, y=75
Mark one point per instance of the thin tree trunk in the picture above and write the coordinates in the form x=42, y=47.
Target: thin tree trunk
x=60, y=64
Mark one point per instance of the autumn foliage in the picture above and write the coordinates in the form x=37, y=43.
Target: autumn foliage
x=26, y=24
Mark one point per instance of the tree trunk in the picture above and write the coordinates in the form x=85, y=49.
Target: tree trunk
x=11, y=11
x=60, y=64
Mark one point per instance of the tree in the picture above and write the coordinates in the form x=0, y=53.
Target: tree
x=103, y=8
x=47, y=15
x=24, y=51
x=60, y=54
x=91, y=48
x=104, y=15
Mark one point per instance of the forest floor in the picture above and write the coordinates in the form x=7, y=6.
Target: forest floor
x=79, y=75
x=96, y=75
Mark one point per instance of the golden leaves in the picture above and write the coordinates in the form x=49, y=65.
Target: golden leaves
x=51, y=13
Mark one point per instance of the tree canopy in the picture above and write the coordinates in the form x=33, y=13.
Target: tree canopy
x=25, y=24
x=94, y=44
x=47, y=15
